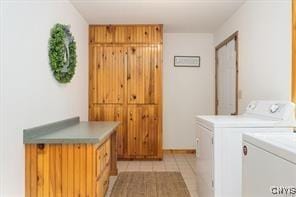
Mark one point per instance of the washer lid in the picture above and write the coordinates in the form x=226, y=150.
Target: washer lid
x=241, y=121
x=280, y=144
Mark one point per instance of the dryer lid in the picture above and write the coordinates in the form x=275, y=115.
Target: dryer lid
x=280, y=144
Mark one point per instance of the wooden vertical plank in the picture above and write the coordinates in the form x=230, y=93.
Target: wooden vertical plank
x=90, y=173
x=40, y=170
x=97, y=34
x=144, y=131
x=98, y=78
x=108, y=65
x=64, y=171
x=159, y=33
x=82, y=170
x=91, y=35
x=46, y=170
x=128, y=34
x=153, y=35
x=70, y=170
x=77, y=174
x=120, y=130
x=109, y=33
x=52, y=169
x=27, y=170
x=33, y=162
x=120, y=34
x=58, y=170
x=130, y=144
x=159, y=99
x=94, y=64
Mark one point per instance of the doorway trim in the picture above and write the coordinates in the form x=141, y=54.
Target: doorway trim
x=223, y=43
x=293, y=75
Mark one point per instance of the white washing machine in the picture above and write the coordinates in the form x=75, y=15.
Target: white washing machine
x=219, y=141
x=269, y=164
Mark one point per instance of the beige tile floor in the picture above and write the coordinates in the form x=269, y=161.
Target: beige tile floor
x=184, y=163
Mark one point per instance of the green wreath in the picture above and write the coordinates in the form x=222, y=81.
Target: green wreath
x=62, y=53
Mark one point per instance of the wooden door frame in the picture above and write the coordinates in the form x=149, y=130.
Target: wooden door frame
x=234, y=37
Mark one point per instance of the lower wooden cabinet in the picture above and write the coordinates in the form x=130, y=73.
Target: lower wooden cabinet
x=139, y=134
x=143, y=131
x=67, y=169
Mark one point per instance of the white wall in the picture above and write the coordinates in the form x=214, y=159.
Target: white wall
x=30, y=95
x=187, y=92
x=264, y=49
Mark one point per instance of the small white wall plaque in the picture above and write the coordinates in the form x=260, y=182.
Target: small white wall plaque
x=187, y=61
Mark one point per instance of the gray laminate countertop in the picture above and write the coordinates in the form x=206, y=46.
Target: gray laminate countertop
x=70, y=131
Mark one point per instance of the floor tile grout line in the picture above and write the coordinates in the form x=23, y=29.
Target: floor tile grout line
x=191, y=167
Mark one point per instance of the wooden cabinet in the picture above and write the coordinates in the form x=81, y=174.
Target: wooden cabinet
x=124, y=34
x=67, y=169
x=108, y=74
x=143, y=130
x=143, y=74
x=125, y=84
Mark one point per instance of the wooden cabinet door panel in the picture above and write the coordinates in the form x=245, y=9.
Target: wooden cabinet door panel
x=113, y=113
x=101, y=34
x=109, y=66
x=143, y=74
x=120, y=34
x=132, y=34
x=142, y=130
x=144, y=34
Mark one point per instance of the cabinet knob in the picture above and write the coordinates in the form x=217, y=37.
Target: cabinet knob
x=40, y=146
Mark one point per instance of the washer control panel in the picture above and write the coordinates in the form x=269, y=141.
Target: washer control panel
x=281, y=110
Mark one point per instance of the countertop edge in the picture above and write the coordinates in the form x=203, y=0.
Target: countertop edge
x=35, y=139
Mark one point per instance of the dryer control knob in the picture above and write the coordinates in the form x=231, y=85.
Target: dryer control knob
x=252, y=106
x=274, y=108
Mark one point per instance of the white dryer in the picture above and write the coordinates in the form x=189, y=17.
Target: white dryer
x=269, y=164
x=219, y=141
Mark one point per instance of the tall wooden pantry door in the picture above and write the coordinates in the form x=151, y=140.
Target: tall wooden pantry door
x=125, y=85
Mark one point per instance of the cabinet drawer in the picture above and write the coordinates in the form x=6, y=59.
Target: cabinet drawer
x=99, y=188
x=108, y=151
x=103, y=182
x=100, y=156
x=103, y=155
x=106, y=178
